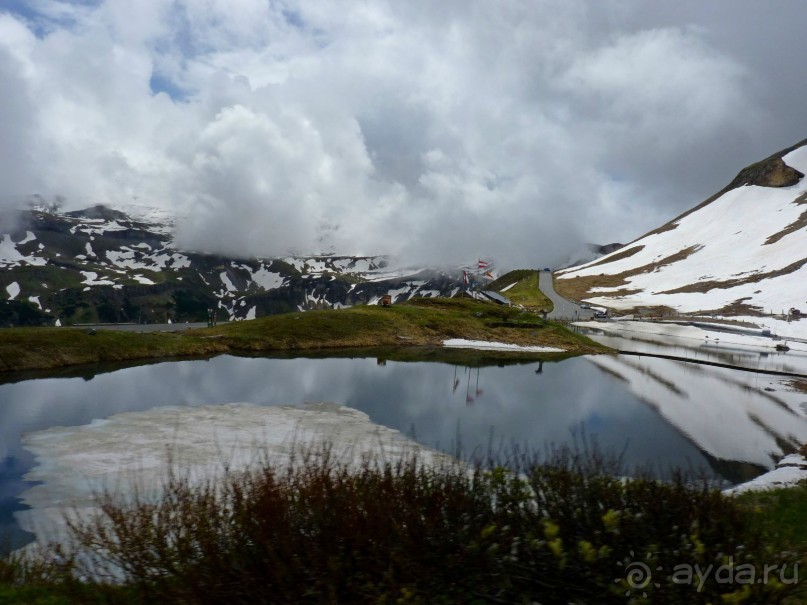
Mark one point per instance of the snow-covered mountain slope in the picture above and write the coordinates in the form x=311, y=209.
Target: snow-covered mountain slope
x=742, y=252
x=104, y=265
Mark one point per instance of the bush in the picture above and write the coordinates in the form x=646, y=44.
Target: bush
x=564, y=531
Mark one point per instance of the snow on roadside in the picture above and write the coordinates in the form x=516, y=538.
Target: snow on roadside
x=497, y=346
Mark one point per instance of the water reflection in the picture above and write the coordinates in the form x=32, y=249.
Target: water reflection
x=519, y=405
x=442, y=405
x=708, y=346
x=730, y=415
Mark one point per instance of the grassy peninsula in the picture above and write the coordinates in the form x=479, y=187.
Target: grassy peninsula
x=419, y=322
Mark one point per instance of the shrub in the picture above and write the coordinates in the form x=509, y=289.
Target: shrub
x=564, y=531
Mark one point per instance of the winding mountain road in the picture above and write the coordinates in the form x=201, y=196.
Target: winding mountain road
x=563, y=308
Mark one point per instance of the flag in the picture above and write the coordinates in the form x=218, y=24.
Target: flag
x=482, y=264
x=465, y=277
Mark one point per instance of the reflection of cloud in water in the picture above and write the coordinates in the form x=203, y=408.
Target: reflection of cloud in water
x=138, y=448
x=517, y=404
x=514, y=403
x=724, y=412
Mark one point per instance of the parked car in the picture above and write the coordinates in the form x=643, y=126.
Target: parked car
x=600, y=315
x=585, y=306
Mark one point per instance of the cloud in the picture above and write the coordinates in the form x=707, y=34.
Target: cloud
x=435, y=132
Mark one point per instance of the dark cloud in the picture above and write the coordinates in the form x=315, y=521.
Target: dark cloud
x=437, y=132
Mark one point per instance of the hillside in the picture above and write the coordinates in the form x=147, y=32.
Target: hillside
x=420, y=329
x=104, y=265
x=741, y=252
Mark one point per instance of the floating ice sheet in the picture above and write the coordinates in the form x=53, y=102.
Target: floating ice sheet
x=137, y=450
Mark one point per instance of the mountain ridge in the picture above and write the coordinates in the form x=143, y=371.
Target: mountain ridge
x=102, y=265
x=740, y=252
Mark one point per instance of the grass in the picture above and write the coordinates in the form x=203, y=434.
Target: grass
x=514, y=528
x=23, y=349
x=525, y=291
x=421, y=322
x=781, y=515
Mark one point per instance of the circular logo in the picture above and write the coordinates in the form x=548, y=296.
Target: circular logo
x=637, y=575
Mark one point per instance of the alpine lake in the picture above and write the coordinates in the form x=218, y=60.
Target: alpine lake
x=656, y=414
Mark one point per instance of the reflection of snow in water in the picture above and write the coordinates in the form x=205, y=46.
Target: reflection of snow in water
x=137, y=449
x=692, y=342
x=729, y=414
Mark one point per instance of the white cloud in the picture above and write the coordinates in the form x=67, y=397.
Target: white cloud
x=436, y=132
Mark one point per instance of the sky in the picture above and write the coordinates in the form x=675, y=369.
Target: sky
x=437, y=132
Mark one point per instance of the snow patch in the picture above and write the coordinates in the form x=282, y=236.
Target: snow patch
x=789, y=471
x=724, y=240
x=11, y=257
x=29, y=237
x=227, y=283
x=13, y=290
x=497, y=346
x=91, y=279
x=268, y=280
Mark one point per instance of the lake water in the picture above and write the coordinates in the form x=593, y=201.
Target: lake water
x=658, y=412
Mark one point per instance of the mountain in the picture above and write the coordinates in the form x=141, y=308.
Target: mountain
x=743, y=251
x=589, y=253
x=105, y=265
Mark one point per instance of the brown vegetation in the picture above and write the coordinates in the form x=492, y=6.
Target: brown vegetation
x=618, y=256
x=705, y=286
x=799, y=223
x=579, y=287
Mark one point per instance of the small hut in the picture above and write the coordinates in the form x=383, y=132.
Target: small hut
x=385, y=301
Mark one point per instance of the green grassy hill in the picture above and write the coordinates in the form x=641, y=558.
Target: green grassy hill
x=521, y=287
